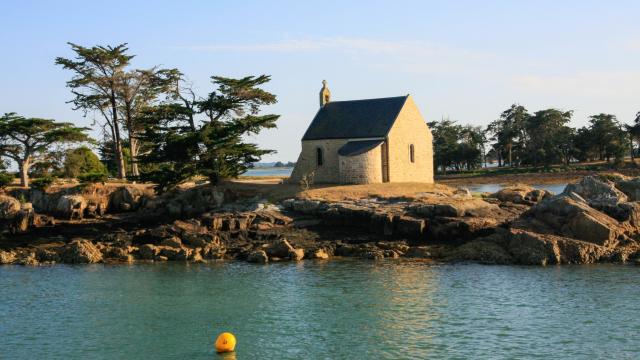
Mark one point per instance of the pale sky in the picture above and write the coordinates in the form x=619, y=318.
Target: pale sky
x=466, y=60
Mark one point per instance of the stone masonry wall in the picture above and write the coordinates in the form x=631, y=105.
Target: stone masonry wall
x=329, y=172
x=408, y=129
x=365, y=168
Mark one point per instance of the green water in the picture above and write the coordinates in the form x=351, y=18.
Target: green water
x=314, y=310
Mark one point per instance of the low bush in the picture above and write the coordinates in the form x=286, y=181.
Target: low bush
x=5, y=179
x=42, y=183
x=93, y=177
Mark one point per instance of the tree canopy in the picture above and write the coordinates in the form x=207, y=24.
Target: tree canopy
x=206, y=136
x=80, y=161
x=27, y=140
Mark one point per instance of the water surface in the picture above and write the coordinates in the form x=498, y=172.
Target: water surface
x=270, y=171
x=320, y=310
x=491, y=188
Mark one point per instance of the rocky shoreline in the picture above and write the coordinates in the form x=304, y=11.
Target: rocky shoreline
x=596, y=220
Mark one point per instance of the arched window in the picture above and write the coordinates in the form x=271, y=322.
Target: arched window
x=319, y=157
x=412, y=153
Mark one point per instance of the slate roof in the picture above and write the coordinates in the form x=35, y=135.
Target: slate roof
x=355, y=119
x=353, y=148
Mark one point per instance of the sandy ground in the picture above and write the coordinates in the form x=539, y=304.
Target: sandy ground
x=274, y=189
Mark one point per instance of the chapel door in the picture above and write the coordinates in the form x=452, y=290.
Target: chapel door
x=385, y=161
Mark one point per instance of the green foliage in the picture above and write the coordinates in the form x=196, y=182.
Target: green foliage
x=82, y=160
x=540, y=139
x=455, y=146
x=28, y=141
x=6, y=179
x=42, y=183
x=213, y=147
x=93, y=177
x=98, y=73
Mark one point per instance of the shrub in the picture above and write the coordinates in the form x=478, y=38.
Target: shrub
x=307, y=180
x=82, y=161
x=42, y=183
x=93, y=177
x=5, y=179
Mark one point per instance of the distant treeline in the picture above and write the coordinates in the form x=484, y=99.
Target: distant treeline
x=518, y=138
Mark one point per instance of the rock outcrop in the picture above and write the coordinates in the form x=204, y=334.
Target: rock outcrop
x=81, y=251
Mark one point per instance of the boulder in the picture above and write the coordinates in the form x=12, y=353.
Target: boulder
x=81, y=252
x=281, y=249
x=173, y=253
x=172, y=242
x=126, y=198
x=391, y=254
x=70, y=207
x=7, y=257
x=514, y=194
x=409, y=227
x=9, y=207
x=21, y=221
x=569, y=215
x=296, y=254
x=597, y=192
x=319, y=253
x=28, y=258
x=372, y=254
x=399, y=247
x=529, y=248
x=48, y=255
x=593, y=227
x=258, y=256
x=521, y=194
x=630, y=187
x=148, y=251
x=421, y=252
x=306, y=206
x=213, y=251
x=447, y=210
x=119, y=253
x=381, y=223
x=484, y=251
x=462, y=193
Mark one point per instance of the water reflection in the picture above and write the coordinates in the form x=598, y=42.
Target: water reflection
x=347, y=309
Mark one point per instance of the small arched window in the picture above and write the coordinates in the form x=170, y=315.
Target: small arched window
x=319, y=157
x=412, y=153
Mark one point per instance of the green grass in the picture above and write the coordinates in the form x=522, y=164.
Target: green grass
x=534, y=170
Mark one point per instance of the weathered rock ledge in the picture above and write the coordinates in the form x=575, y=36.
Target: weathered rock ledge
x=595, y=220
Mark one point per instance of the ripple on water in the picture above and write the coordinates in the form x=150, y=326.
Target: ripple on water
x=320, y=310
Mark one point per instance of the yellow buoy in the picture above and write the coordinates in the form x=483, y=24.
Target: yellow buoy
x=225, y=342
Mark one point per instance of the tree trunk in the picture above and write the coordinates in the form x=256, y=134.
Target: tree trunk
x=133, y=144
x=122, y=171
x=24, y=172
x=510, y=163
x=633, y=161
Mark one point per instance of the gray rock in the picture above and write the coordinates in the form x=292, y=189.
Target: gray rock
x=7, y=257
x=630, y=187
x=597, y=192
x=81, y=252
x=173, y=242
x=148, y=252
x=258, y=256
x=421, y=252
x=280, y=249
x=9, y=207
x=70, y=207
x=296, y=254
